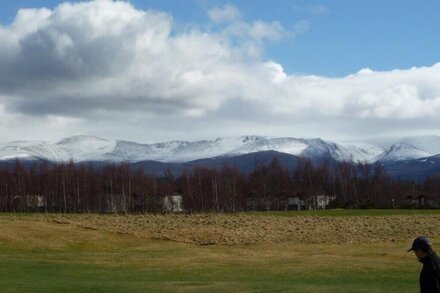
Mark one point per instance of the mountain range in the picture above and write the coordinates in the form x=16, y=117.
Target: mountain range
x=419, y=154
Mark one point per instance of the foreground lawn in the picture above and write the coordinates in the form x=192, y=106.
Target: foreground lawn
x=39, y=256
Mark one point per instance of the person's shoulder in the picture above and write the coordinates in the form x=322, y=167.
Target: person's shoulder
x=433, y=262
x=430, y=261
x=436, y=259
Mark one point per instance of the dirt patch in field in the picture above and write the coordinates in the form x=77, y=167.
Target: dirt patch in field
x=223, y=229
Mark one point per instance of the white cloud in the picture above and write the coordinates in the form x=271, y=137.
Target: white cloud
x=258, y=31
x=224, y=13
x=94, y=63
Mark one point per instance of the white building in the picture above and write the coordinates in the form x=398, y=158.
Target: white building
x=295, y=203
x=173, y=203
x=318, y=202
x=323, y=201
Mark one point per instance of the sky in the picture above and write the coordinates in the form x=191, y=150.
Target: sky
x=153, y=71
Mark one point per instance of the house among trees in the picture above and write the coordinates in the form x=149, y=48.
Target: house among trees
x=116, y=188
x=265, y=204
x=295, y=204
x=291, y=203
x=30, y=202
x=323, y=201
x=318, y=202
x=173, y=202
x=420, y=201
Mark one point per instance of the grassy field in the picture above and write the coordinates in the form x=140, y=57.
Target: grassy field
x=348, y=212
x=278, y=252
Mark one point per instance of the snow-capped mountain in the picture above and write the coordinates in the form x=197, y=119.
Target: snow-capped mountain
x=410, y=157
x=412, y=148
x=90, y=148
x=31, y=150
x=84, y=148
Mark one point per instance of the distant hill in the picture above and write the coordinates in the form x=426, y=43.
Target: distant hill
x=407, y=158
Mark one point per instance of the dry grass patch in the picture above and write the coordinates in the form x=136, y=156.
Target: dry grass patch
x=223, y=229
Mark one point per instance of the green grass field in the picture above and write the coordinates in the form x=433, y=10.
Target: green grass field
x=48, y=256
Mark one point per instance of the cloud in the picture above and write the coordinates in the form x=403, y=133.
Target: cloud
x=259, y=30
x=106, y=67
x=249, y=36
x=103, y=55
x=225, y=13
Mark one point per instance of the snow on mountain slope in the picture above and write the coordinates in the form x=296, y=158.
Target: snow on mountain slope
x=130, y=151
x=91, y=148
x=195, y=150
x=252, y=144
x=233, y=146
x=222, y=146
x=31, y=150
x=358, y=152
x=412, y=148
x=164, y=149
x=86, y=148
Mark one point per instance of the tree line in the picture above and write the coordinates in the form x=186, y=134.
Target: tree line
x=117, y=187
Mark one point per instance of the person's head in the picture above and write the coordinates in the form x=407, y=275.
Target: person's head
x=422, y=247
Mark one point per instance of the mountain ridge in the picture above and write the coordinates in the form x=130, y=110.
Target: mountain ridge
x=81, y=148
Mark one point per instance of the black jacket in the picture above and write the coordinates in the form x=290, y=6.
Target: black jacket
x=430, y=274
